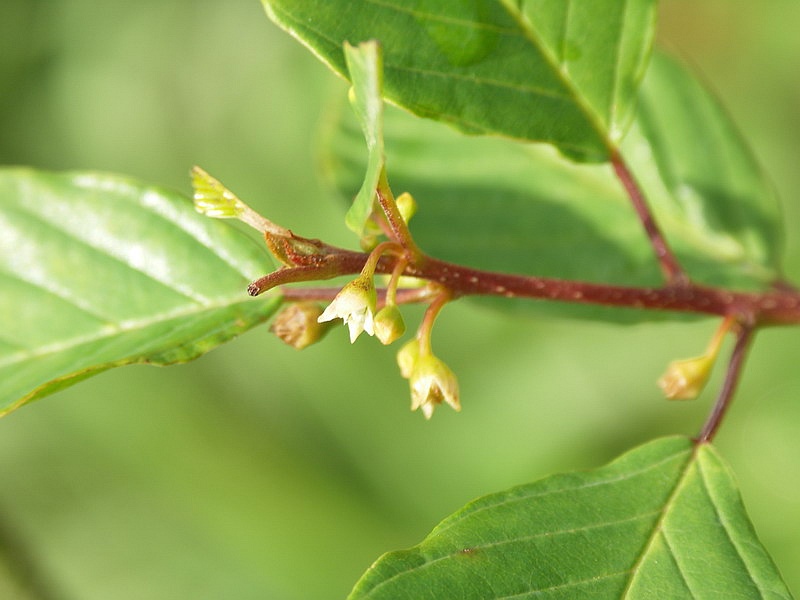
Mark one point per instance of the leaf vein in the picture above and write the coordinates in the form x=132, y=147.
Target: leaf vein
x=540, y=494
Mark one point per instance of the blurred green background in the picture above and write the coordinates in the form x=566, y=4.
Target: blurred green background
x=261, y=472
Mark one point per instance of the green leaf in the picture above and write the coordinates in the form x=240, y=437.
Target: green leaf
x=717, y=207
x=365, y=66
x=561, y=72
x=98, y=271
x=663, y=521
x=603, y=46
x=522, y=208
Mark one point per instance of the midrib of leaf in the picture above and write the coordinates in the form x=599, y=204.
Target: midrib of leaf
x=562, y=73
x=659, y=526
x=615, y=80
x=110, y=331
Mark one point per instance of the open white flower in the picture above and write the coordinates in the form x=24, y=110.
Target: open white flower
x=432, y=382
x=355, y=305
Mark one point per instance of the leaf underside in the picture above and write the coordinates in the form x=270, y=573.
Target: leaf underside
x=663, y=521
x=365, y=68
x=98, y=271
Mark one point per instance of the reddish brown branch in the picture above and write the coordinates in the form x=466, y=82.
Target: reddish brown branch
x=669, y=264
x=728, y=389
x=775, y=307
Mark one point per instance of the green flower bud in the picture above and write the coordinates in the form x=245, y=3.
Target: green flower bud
x=297, y=324
x=389, y=325
x=685, y=379
x=406, y=205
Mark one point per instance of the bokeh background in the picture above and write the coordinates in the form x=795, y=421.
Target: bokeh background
x=261, y=472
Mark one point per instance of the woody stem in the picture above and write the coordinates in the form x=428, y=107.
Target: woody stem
x=732, y=376
x=672, y=270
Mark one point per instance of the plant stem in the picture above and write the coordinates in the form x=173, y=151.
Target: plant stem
x=732, y=376
x=426, y=327
x=775, y=307
x=326, y=294
x=779, y=306
x=399, y=228
x=672, y=270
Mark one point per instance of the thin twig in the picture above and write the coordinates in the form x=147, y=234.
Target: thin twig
x=732, y=375
x=399, y=227
x=673, y=272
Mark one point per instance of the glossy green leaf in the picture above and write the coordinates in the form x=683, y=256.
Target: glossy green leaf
x=559, y=72
x=365, y=67
x=663, y=521
x=523, y=208
x=98, y=271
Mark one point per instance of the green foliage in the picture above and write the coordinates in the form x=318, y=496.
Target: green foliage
x=100, y=271
x=486, y=67
x=365, y=67
x=552, y=217
x=664, y=519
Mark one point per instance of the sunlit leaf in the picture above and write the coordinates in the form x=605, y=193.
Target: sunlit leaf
x=98, y=271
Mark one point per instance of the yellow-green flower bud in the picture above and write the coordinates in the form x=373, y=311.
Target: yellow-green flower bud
x=389, y=325
x=406, y=205
x=685, y=379
x=355, y=305
x=407, y=357
x=297, y=324
x=432, y=382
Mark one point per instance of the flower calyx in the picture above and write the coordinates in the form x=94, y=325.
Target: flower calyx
x=298, y=326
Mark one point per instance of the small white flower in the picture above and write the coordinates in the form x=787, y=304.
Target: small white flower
x=432, y=382
x=355, y=305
